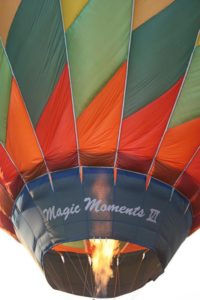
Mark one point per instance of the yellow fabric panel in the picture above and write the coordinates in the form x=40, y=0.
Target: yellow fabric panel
x=146, y=9
x=71, y=9
x=8, y=10
x=198, y=40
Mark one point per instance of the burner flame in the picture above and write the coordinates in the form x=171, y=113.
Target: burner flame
x=101, y=261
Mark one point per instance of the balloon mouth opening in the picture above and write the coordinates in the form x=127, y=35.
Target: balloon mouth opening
x=100, y=268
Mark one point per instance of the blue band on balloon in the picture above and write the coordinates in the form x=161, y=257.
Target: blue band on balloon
x=156, y=218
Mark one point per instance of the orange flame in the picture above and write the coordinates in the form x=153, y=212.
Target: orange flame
x=102, y=259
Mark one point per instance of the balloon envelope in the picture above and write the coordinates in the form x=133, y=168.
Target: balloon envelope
x=99, y=135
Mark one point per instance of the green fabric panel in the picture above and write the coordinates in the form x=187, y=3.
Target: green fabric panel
x=80, y=244
x=97, y=45
x=188, y=105
x=77, y=244
x=5, y=85
x=160, y=52
x=37, y=51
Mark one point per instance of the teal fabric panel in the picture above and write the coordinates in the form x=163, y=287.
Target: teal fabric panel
x=37, y=51
x=97, y=45
x=188, y=105
x=160, y=52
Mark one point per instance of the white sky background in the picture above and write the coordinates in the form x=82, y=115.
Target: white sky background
x=21, y=278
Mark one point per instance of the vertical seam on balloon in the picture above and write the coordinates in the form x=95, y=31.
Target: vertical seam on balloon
x=148, y=175
x=125, y=85
x=16, y=168
x=187, y=165
x=34, y=132
x=72, y=96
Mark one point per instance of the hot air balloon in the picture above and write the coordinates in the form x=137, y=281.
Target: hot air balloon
x=100, y=137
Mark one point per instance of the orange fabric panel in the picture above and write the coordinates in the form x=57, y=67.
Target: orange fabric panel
x=142, y=131
x=176, y=150
x=56, y=130
x=8, y=10
x=21, y=142
x=132, y=248
x=63, y=248
x=98, y=125
x=146, y=9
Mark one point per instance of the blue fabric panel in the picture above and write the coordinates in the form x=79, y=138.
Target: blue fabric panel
x=98, y=208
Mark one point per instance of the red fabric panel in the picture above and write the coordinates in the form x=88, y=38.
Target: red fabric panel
x=195, y=223
x=10, y=184
x=6, y=224
x=55, y=129
x=9, y=177
x=178, y=147
x=142, y=131
x=6, y=202
x=189, y=184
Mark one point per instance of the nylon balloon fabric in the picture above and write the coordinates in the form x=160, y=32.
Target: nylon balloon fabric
x=99, y=137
